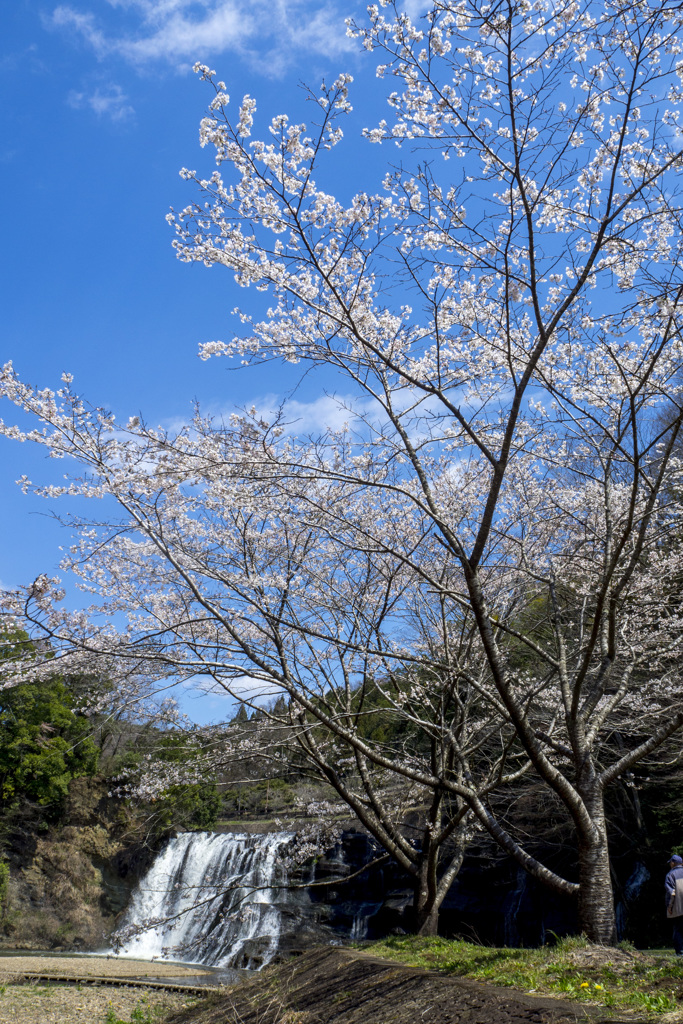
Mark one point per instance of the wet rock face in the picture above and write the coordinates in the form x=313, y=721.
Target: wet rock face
x=492, y=901
x=370, y=905
x=304, y=924
x=254, y=955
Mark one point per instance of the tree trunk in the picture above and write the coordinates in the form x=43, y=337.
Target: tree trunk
x=596, y=898
x=425, y=903
x=428, y=921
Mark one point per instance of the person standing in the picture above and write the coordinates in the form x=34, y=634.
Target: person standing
x=673, y=885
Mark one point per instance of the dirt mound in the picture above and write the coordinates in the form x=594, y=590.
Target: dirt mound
x=594, y=958
x=350, y=987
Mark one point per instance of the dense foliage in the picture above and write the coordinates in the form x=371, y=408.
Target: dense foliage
x=44, y=741
x=43, y=744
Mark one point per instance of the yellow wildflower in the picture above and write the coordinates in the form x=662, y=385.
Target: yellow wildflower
x=584, y=984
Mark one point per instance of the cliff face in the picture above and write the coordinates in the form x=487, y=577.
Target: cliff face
x=57, y=899
x=68, y=882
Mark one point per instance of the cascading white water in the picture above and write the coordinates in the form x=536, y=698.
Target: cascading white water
x=209, y=898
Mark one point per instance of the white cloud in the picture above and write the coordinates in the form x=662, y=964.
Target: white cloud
x=270, y=33
x=328, y=412
x=245, y=687
x=315, y=417
x=302, y=419
x=82, y=24
x=110, y=101
x=415, y=9
x=181, y=38
x=332, y=412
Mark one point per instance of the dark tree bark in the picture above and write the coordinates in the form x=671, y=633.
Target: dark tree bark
x=425, y=904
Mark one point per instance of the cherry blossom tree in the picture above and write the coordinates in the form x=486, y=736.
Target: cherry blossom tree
x=504, y=311
x=387, y=700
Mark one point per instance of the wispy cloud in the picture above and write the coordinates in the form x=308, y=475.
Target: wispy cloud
x=176, y=35
x=415, y=8
x=327, y=412
x=270, y=33
x=299, y=418
x=109, y=101
x=240, y=688
x=82, y=24
x=21, y=60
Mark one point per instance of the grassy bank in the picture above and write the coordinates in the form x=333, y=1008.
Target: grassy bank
x=620, y=979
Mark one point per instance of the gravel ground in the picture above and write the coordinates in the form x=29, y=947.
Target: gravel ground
x=38, y=1002
x=96, y=967
x=67, y=1004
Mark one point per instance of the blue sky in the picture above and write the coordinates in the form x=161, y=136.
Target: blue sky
x=100, y=112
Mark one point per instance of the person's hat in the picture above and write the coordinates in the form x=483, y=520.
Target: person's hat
x=675, y=859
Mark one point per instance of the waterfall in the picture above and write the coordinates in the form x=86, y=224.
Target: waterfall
x=208, y=898
x=511, y=908
x=631, y=890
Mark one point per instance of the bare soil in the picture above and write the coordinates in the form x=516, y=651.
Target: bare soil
x=343, y=986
